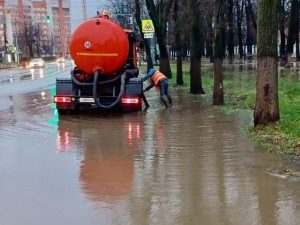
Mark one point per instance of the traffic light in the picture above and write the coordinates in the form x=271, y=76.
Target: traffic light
x=48, y=19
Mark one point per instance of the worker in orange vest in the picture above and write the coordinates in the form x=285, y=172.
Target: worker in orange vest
x=158, y=79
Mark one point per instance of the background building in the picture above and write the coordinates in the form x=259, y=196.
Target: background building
x=61, y=34
x=41, y=20
x=2, y=23
x=35, y=28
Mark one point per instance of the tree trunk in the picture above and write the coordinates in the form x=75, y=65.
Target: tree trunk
x=195, y=79
x=267, y=104
x=249, y=33
x=179, y=77
x=239, y=12
x=146, y=43
x=209, y=41
x=282, y=31
x=293, y=29
x=218, y=92
x=196, y=45
x=297, y=30
x=251, y=14
x=230, y=43
x=297, y=49
x=159, y=14
x=148, y=55
x=164, y=62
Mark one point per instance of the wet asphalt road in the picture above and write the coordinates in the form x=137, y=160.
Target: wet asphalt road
x=187, y=165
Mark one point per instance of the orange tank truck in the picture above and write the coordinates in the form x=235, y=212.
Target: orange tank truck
x=106, y=73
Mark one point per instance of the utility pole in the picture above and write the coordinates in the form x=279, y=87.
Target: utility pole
x=62, y=28
x=17, y=43
x=84, y=9
x=5, y=36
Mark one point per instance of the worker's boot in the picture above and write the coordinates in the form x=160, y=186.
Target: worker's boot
x=170, y=100
x=165, y=100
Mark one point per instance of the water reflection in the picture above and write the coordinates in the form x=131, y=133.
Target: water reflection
x=177, y=166
x=63, y=141
x=107, y=149
x=41, y=73
x=201, y=167
x=32, y=72
x=43, y=94
x=37, y=73
x=133, y=133
x=61, y=66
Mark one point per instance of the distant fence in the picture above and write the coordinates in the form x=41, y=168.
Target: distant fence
x=246, y=53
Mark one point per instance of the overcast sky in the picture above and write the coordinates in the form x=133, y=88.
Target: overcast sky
x=92, y=7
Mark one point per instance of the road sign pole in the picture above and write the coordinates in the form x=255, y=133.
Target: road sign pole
x=149, y=32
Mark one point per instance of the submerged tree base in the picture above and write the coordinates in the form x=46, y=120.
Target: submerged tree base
x=218, y=92
x=195, y=77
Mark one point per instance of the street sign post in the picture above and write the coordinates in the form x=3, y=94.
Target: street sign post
x=148, y=35
x=147, y=26
x=148, y=31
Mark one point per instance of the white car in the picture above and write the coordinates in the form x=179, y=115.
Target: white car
x=37, y=63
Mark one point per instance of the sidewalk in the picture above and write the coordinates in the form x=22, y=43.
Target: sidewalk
x=4, y=66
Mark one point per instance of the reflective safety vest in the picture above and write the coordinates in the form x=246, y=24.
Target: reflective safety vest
x=157, y=77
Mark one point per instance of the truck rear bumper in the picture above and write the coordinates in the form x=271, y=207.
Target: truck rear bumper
x=71, y=97
x=126, y=104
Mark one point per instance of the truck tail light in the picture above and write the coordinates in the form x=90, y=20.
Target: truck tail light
x=62, y=99
x=130, y=100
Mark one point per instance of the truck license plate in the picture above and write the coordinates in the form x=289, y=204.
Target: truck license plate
x=86, y=100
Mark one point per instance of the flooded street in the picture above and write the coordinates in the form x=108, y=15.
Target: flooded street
x=190, y=164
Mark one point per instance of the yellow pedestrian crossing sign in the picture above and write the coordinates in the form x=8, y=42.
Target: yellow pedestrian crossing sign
x=147, y=26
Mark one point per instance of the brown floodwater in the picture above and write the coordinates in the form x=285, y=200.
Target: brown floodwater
x=190, y=164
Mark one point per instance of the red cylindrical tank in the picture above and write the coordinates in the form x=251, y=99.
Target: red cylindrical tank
x=99, y=43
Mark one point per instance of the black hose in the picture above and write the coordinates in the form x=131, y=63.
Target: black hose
x=92, y=83
x=95, y=91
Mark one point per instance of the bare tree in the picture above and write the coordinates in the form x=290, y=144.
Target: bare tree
x=248, y=28
x=251, y=14
x=138, y=19
x=37, y=33
x=124, y=12
x=239, y=20
x=282, y=20
x=159, y=12
x=178, y=41
x=196, y=49
x=230, y=44
x=219, y=27
x=29, y=38
x=293, y=34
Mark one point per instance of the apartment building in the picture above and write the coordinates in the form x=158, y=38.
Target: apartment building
x=60, y=36
x=39, y=31
x=2, y=19
x=42, y=30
